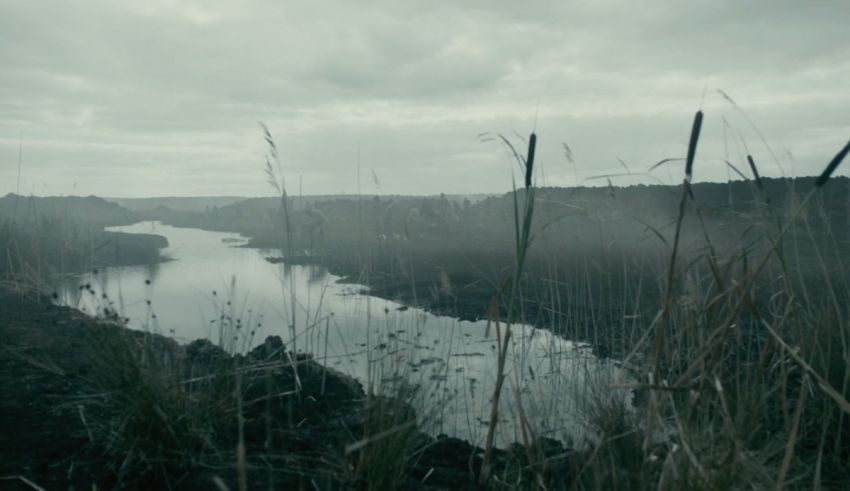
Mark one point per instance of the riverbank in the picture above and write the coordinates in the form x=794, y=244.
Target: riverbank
x=598, y=265
x=567, y=294
x=61, y=237
x=98, y=404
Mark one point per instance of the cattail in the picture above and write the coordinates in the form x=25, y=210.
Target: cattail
x=755, y=171
x=529, y=162
x=832, y=166
x=692, y=146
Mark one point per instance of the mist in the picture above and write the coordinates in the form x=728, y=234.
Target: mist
x=393, y=245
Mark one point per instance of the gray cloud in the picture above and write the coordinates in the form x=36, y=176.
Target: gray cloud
x=163, y=98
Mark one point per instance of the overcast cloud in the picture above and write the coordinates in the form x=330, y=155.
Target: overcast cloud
x=163, y=97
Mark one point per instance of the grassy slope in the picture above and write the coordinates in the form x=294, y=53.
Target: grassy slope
x=96, y=404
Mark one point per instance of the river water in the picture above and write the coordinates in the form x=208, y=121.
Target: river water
x=211, y=288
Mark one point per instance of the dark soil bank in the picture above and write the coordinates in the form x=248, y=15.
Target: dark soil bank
x=599, y=260
x=91, y=403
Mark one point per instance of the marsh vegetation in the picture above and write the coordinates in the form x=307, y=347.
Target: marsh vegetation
x=710, y=320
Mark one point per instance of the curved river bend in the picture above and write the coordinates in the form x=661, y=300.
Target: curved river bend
x=212, y=286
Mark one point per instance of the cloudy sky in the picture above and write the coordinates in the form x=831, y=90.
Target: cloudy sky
x=164, y=97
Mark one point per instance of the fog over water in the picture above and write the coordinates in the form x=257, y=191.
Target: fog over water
x=211, y=289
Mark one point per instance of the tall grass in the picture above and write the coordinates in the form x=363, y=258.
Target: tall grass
x=157, y=415
x=522, y=228
x=738, y=393
x=744, y=373
x=379, y=456
x=741, y=373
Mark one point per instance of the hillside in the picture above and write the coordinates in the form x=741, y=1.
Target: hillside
x=180, y=203
x=43, y=238
x=88, y=210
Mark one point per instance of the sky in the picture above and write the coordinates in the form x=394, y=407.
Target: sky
x=164, y=97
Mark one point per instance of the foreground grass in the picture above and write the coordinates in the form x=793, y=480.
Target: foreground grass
x=99, y=404
x=735, y=393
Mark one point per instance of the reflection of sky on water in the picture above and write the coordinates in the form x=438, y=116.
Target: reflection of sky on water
x=212, y=289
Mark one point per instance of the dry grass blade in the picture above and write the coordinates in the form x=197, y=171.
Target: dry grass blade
x=511, y=147
x=726, y=96
x=792, y=438
x=755, y=171
x=731, y=166
x=822, y=382
x=608, y=176
x=384, y=434
x=24, y=481
x=662, y=162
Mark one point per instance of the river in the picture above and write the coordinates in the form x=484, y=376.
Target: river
x=212, y=288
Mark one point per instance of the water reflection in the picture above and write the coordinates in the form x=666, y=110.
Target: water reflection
x=214, y=289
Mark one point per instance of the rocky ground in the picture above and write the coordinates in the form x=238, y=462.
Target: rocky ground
x=89, y=403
